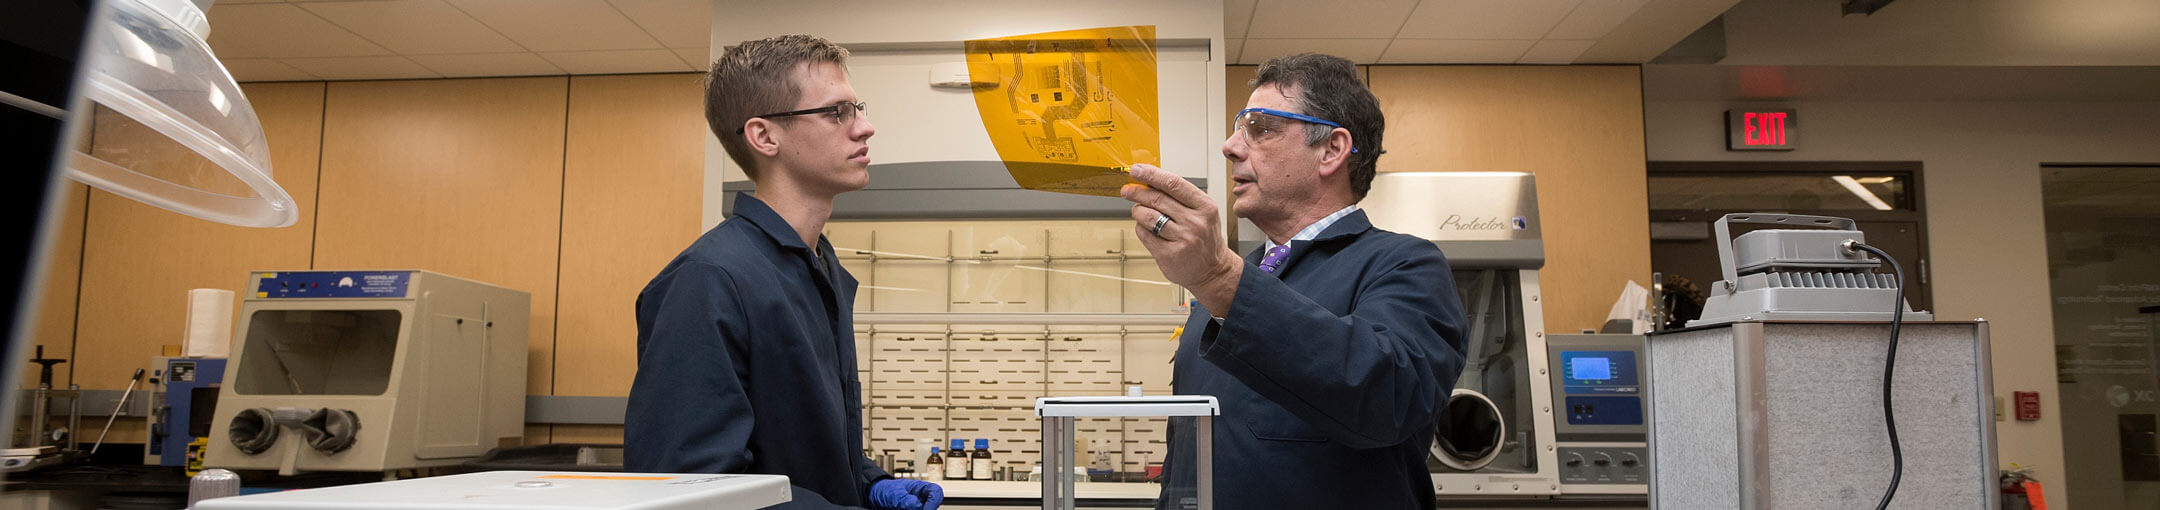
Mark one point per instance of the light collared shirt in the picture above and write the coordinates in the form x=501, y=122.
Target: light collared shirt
x=1312, y=231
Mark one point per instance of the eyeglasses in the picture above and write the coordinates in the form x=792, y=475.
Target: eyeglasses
x=842, y=112
x=1269, y=122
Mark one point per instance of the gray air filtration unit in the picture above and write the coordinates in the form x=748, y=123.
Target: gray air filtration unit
x=1793, y=274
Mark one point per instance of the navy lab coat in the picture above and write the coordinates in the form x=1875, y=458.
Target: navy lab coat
x=1331, y=375
x=746, y=363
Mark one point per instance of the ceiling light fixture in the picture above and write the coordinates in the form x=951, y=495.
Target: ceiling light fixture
x=1861, y=191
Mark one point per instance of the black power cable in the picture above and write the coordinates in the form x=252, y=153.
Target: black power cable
x=1897, y=318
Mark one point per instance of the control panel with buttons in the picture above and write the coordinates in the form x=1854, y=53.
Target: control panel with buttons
x=1604, y=465
x=1602, y=414
x=332, y=284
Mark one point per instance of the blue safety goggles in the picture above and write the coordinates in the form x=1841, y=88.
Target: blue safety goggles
x=1241, y=114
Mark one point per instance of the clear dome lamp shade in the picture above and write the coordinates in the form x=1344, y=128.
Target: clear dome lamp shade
x=162, y=122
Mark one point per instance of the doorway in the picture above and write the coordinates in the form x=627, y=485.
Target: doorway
x=2103, y=237
x=1687, y=198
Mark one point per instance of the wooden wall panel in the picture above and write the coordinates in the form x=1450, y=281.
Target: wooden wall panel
x=1234, y=78
x=632, y=192
x=1579, y=128
x=56, y=302
x=462, y=177
x=139, y=261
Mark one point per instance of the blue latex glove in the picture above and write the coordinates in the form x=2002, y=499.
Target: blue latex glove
x=898, y=494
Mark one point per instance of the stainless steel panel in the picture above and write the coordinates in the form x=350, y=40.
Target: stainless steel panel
x=1456, y=206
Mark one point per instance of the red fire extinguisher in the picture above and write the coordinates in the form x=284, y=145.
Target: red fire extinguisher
x=2020, y=491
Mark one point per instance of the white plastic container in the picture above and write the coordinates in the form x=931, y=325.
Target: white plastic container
x=531, y=490
x=174, y=123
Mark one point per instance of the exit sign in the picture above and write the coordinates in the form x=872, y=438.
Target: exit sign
x=1759, y=130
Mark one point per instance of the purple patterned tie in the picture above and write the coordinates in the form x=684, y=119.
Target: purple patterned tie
x=1274, y=258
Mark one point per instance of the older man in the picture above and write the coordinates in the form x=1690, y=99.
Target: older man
x=1333, y=348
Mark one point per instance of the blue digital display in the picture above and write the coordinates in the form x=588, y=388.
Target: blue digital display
x=1590, y=369
x=1603, y=388
x=1598, y=373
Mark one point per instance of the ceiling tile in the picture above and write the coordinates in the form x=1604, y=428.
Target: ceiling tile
x=1237, y=14
x=1351, y=19
x=560, y=25
x=698, y=58
x=618, y=62
x=263, y=69
x=676, y=23
x=1452, y=51
x=1231, y=48
x=280, y=31
x=1556, y=51
x=1485, y=19
x=1363, y=51
x=362, y=68
x=414, y=27
x=492, y=64
x=1595, y=18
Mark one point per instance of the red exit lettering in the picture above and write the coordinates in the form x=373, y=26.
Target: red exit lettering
x=1765, y=128
x=1760, y=130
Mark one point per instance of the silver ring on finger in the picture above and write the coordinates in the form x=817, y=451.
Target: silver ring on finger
x=1160, y=220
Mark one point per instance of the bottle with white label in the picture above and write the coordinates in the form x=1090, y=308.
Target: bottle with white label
x=956, y=461
x=935, y=468
x=981, y=460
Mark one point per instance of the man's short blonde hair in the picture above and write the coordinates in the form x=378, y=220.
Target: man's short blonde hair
x=757, y=78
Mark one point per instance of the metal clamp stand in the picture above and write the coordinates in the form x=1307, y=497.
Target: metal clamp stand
x=41, y=405
x=43, y=447
x=1058, y=427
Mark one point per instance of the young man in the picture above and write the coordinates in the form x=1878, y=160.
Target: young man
x=1334, y=347
x=746, y=347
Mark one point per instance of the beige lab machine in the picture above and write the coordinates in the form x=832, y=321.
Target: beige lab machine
x=1497, y=437
x=370, y=371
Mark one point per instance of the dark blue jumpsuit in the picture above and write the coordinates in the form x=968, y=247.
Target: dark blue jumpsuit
x=746, y=364
x=1331, y=375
